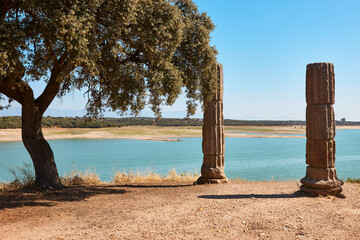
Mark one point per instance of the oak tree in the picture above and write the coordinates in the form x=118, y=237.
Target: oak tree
x=125, y=53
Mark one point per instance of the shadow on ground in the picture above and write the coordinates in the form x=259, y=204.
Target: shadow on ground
x=297, y=194
x=49, y=198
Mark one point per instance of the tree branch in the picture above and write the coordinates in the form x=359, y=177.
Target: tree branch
x=50, y=49
x=13, y=86
x=53, y=86
x=16, y=89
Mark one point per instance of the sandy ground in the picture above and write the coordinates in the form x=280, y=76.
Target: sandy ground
x=239, y=210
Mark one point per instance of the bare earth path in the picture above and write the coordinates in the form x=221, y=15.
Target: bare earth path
x=239, y=210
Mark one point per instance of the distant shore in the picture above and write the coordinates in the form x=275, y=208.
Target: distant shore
x=156, y=133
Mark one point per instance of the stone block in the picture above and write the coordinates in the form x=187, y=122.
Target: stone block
x=320, y=122
x=213, y=139
x=321, y=191
x=322, y=178
x=211, y=160
x=203, y=180
x=213, y=114
x=219, y=95
x=213, y=166
x=320, y=153
x=320, y=83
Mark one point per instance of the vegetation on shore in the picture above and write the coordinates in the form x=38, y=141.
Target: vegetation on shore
x=25, y=178
x=353, y=180
x=83, y=122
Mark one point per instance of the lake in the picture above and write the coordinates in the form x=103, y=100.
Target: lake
x=245, y=158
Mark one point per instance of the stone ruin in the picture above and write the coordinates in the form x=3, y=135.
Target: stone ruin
x=213, y=143
x=320, y=176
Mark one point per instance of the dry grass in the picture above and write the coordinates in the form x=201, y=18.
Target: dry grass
x=353, y=180
x=152, y=177
x=76, y=177
x=26, y=178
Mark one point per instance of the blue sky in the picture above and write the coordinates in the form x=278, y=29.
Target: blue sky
x=265, y=46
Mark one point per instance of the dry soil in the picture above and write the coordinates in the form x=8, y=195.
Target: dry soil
x=178, y=210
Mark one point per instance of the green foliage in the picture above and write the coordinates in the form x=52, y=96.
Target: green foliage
x=84, y=122
x=125, y=53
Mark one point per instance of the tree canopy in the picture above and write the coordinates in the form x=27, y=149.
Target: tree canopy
x=125, y=53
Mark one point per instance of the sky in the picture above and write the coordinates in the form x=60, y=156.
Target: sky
x=265, y=46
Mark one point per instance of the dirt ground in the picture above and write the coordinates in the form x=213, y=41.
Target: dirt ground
x=238, y=210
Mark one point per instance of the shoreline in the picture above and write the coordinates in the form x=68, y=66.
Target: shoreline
x=154, y=133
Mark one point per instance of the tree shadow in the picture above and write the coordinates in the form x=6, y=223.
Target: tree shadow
x=297, y=194
x=49, y=198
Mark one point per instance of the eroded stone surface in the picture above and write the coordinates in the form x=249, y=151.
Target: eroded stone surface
x=219, y=95
x=213, y=140
x=210, y=172
x=320, y=122
x=203, y=180
x=320, y=83
x=320, y=153
x=212, y=112
x=323, y=178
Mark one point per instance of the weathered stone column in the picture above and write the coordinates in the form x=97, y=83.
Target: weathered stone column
x=213, y=143
x=320, y=176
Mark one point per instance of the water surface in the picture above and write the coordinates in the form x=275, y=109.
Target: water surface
x=245, y=158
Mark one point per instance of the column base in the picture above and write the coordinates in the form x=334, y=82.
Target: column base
x=321, y=191
x=202, y=180
x=321, y=181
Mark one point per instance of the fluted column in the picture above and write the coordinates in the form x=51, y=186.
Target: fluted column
x=321, y=178
x=213, y=143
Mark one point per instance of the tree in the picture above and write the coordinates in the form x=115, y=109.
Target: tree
x=125, y=53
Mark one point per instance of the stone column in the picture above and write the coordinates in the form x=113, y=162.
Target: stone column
x=213, y=143
x=320, y=176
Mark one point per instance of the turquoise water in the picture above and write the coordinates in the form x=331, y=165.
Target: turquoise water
x=246, y=158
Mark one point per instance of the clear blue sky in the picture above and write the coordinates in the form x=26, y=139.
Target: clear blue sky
x=265, y=46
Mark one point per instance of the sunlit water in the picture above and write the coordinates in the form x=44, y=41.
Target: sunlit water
x=245, y=158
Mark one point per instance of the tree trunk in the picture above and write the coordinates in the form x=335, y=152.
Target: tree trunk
x=46, y=172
